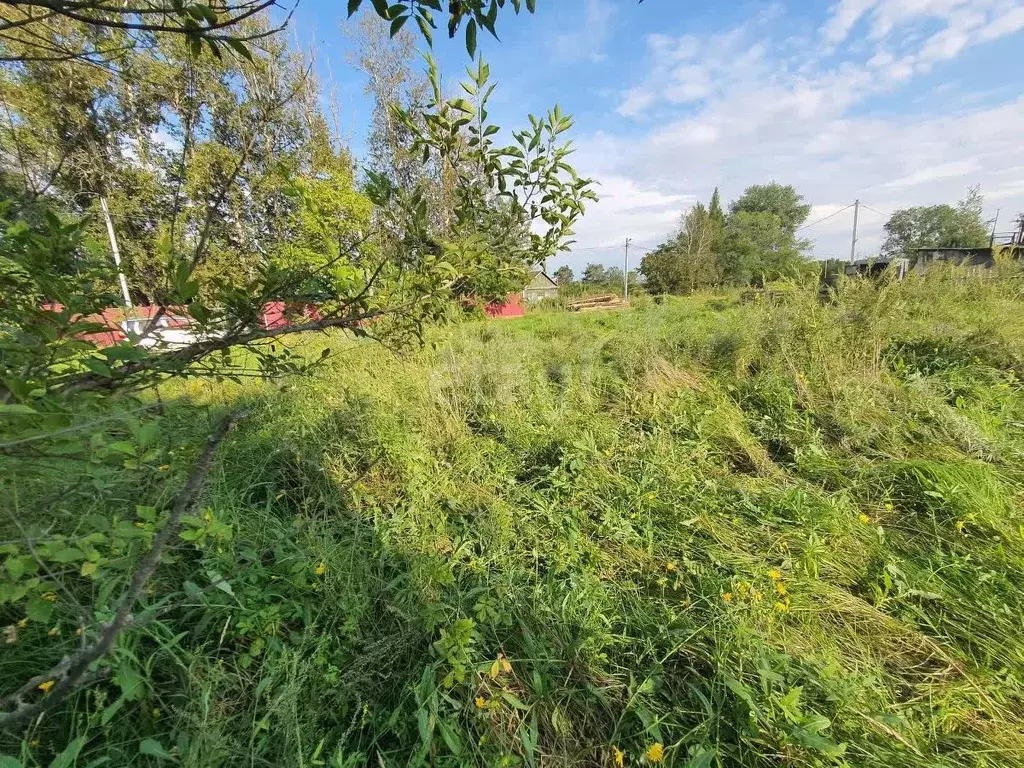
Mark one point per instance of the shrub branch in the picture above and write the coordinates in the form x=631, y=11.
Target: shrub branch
x=72, y=672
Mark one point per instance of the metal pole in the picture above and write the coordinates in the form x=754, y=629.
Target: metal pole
x=117, y=253
x=853, y=243
x=625, y=274
x=992, y=237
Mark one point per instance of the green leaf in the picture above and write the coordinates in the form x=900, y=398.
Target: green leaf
x=381, y=7
x=129, y=681
x=15, y=567
x=39, y=610
x=154, y=748
x=68, y=555
x=397, y=24
x=16, y=409
x=68, y=757
x=97, y=366
x=353, y=6
x=9, y=762
x=703, y=758
x=241, y=48
x=471, y=38
x=425, y=30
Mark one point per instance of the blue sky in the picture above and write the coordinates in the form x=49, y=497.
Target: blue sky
x=895, y=102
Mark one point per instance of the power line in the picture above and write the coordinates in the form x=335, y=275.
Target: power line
x=863, y=205
x=824, y=218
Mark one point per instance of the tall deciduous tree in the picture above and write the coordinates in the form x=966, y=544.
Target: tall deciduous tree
x=594, y=274
x=759, y=247
x=689, y=261
x=781, y=200
x=563, y=275
x=937, y=226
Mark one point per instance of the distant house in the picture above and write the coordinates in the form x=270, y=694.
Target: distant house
x=541, y=286
x=512, y=306
x=876, y=266
x=977, y=258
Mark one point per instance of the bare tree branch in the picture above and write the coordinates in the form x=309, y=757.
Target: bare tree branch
x=73, y=671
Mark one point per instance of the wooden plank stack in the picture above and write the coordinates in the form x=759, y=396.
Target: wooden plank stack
x=595, y=303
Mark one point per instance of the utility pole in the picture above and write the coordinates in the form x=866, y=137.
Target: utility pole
x=853, y=243
x=625, y=273
x=117, y=253
x=992, y=237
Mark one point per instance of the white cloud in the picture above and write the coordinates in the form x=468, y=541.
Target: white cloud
x=744, y=106
x=588, y=41
x=936, y=173
x=845, y=15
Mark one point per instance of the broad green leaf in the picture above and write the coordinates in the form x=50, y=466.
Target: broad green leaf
x=15, y=567
x=240, y=48
x=38, y=609
x=16, y=409
x=704, y=758
x=471, y=38
x=68, y=555
x=68, y=757
x=397, y=24
x=154, y=748
x=425, y=30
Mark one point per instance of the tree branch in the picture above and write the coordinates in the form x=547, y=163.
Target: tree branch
x=73, y=671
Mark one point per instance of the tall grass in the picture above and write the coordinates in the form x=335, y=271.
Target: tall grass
x=778, y=533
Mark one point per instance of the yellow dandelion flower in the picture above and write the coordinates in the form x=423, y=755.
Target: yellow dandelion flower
x=480, y=702
x=864, y=518
x=321, y=569
x=888, y=507
x=727, y=596
x=781, y=588
x=775, y=574
x=45, y=687
x=758, y=594
x=656, y=752
x=670, y=567
x=959, y=526
x=782, y=605
x=620, y=757
x=22, y=623
x=163, y=467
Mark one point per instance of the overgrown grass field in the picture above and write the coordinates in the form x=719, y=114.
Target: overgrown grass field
x=705, y=532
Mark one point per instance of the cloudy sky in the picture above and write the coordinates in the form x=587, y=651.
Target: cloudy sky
x=894, y=102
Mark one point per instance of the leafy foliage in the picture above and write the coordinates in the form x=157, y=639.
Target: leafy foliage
x=937, y=226
x=781, y=200
x=704, y=531
x=754, y=243
x=477, y=15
